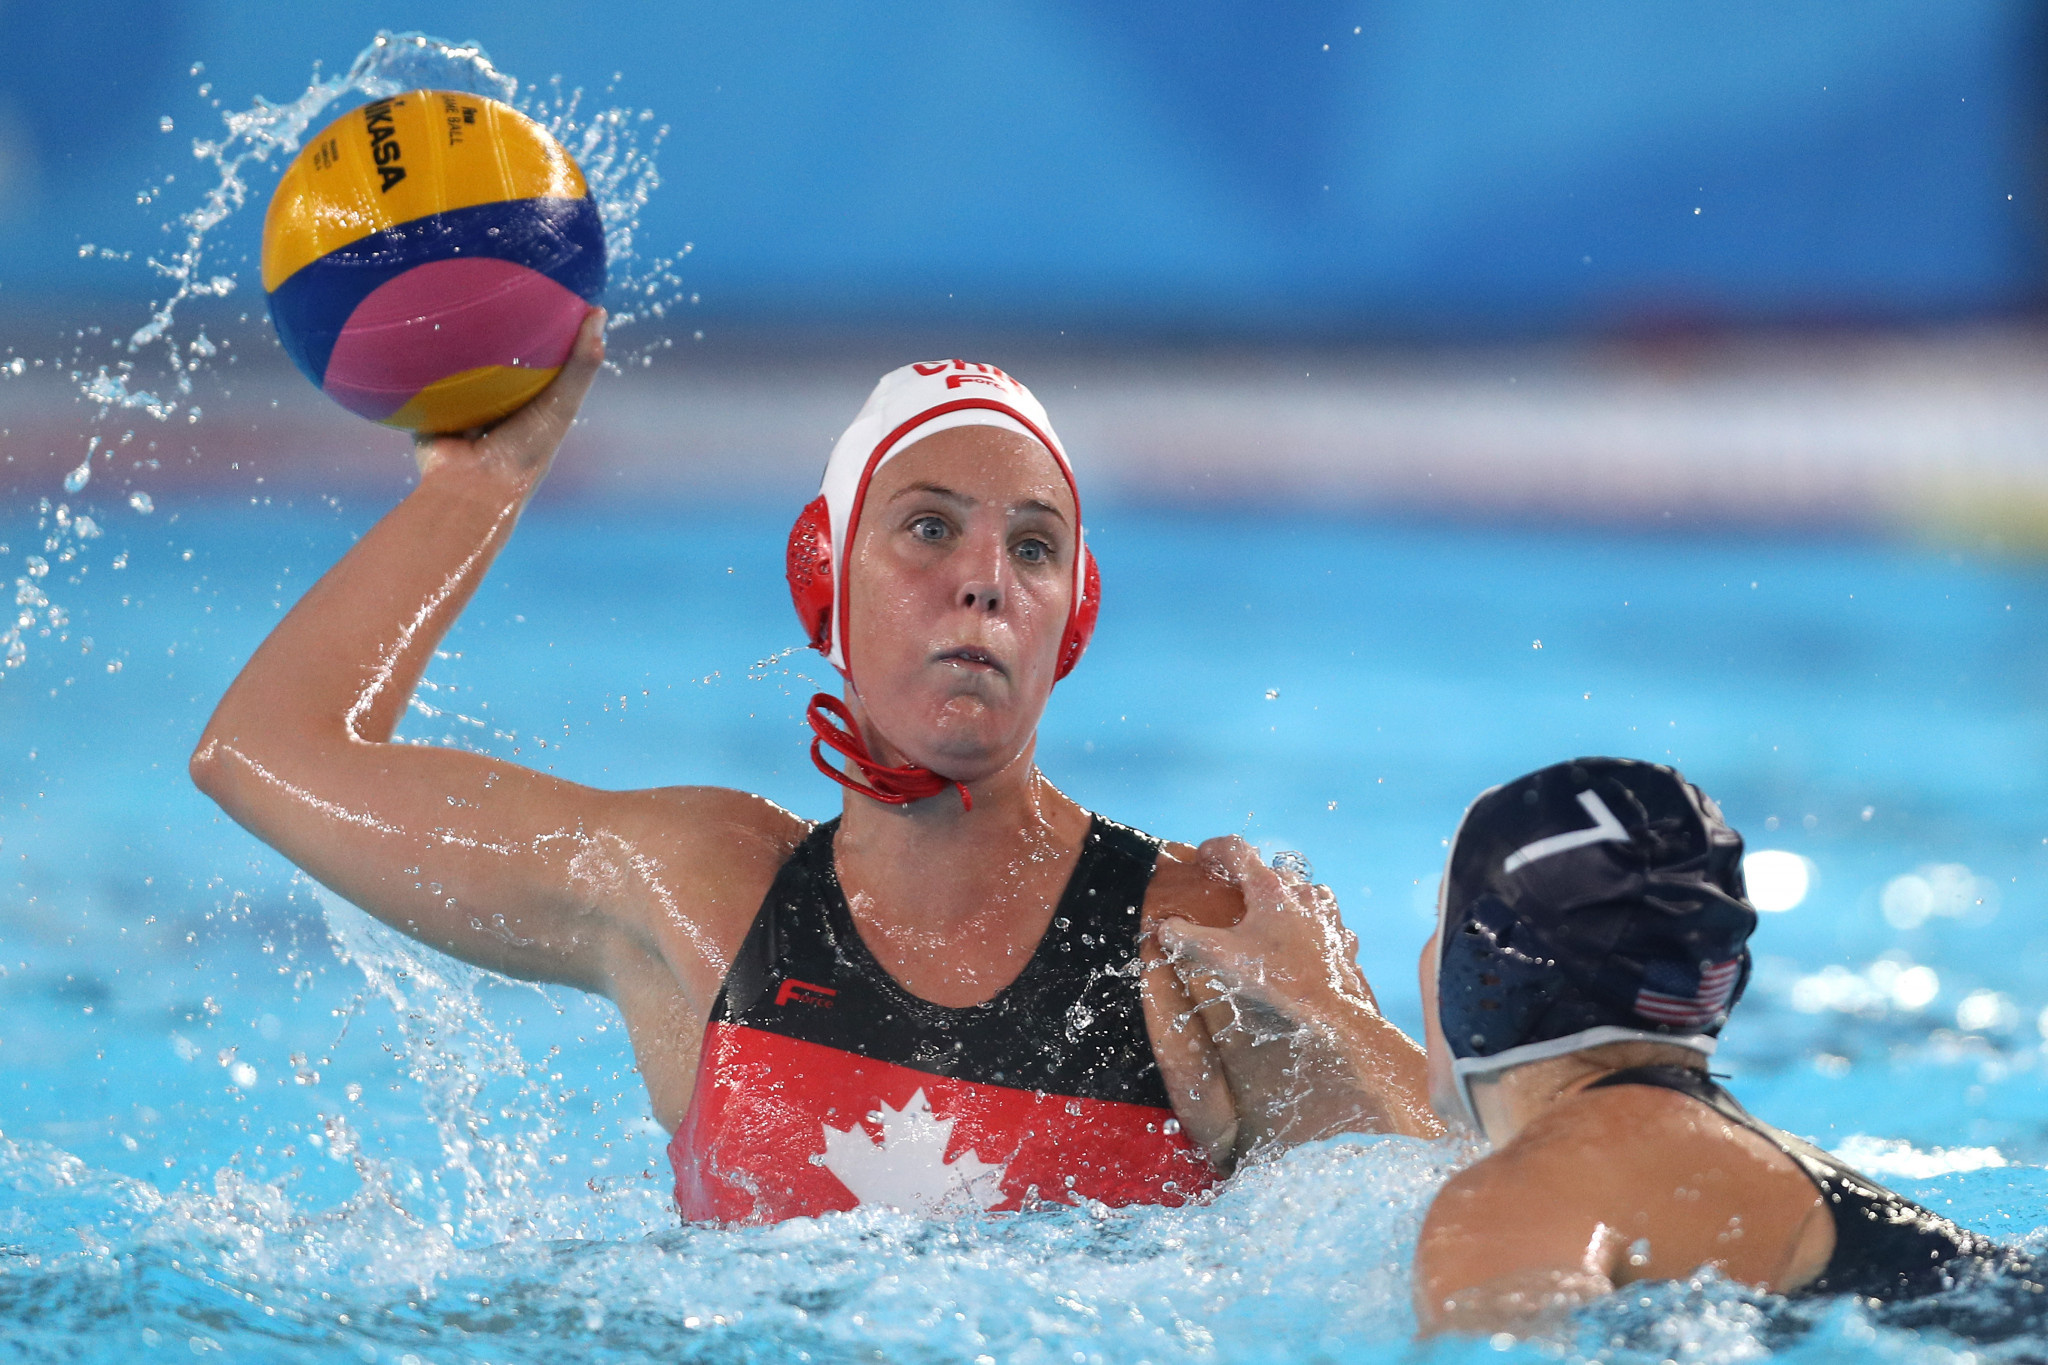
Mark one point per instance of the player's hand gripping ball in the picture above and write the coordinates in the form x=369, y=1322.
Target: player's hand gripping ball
x=429, y=257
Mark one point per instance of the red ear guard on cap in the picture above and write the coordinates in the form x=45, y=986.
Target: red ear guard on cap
x=1081, y=625
x=810, y=588
x=810, y=572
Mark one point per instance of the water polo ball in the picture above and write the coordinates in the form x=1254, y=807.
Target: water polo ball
x=429, y=257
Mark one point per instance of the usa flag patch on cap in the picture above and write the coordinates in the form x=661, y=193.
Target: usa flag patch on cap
x=1671, y=996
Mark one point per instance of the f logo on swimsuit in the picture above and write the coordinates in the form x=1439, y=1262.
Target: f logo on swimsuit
x=1606, y=830
x=805, y=993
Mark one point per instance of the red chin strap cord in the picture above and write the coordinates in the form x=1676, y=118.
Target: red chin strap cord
x=833, y=725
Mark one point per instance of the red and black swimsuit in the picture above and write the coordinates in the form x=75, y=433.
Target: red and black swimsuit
x=824, y=1085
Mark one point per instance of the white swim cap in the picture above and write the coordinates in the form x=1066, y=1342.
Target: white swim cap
x=906, y=406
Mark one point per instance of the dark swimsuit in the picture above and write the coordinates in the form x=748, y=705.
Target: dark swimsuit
x=1886, y=1246
x=823, y=1084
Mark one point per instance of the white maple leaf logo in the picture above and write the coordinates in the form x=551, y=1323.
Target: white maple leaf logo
x=907, y=1170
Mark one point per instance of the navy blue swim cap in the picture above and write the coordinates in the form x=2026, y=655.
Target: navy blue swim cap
x=1597, y=901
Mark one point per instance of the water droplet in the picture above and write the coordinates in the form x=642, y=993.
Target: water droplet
x=79, y=477
x=141, y=502
x=1288, y=860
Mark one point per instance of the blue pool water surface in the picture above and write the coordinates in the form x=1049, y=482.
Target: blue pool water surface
x=240, y=1117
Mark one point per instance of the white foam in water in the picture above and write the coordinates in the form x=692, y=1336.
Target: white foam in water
x=1890, y=1157
x=1301, y=1258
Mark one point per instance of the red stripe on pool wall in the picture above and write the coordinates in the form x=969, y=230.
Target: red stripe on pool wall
x=445, y=317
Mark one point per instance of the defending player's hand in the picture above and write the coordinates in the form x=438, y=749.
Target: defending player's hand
x=1289, y=959
x=1301, y=1039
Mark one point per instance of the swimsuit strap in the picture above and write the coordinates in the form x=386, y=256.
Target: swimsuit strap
x=1071, y=1022
x=1886, y=1246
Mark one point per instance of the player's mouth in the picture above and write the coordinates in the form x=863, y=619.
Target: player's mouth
x=972, y=658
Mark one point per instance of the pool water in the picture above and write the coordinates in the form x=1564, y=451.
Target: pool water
x=240, y=1116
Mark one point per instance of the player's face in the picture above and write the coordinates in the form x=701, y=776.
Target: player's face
x=960, y=581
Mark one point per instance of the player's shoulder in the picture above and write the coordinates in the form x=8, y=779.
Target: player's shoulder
x=1653, y=1114
x=717, y=821
x=1662, y=1165
x=706, y=854
x=1633, y=1136
x=1616, y=1127
x=1569, y=1158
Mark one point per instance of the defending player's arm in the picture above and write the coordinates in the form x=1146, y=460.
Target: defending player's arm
x=1301, y=1038
x=1183, y=891
x=500, y=865
x=1479, y=1270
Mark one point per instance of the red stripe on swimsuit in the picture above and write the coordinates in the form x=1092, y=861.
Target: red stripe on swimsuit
x=823, y=1085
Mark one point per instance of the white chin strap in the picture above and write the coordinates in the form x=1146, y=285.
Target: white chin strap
x=1466, y=1070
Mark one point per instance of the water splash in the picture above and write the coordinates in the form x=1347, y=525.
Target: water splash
x=791, y=680
x=159, y=372
x=243, y=1266
x=459, y=1057
x=1892, y=1158
x=616, y=146
x=64, y=536
x=112, y=391
x=269, y=134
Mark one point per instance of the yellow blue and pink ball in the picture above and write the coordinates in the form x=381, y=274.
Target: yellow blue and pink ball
x=429, y=258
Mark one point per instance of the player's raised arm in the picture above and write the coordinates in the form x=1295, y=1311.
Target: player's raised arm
x=496, y=863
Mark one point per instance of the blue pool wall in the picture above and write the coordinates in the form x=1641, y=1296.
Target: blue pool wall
x=1302, y=167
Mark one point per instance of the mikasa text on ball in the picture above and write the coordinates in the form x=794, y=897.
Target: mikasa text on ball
x=429, y=258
